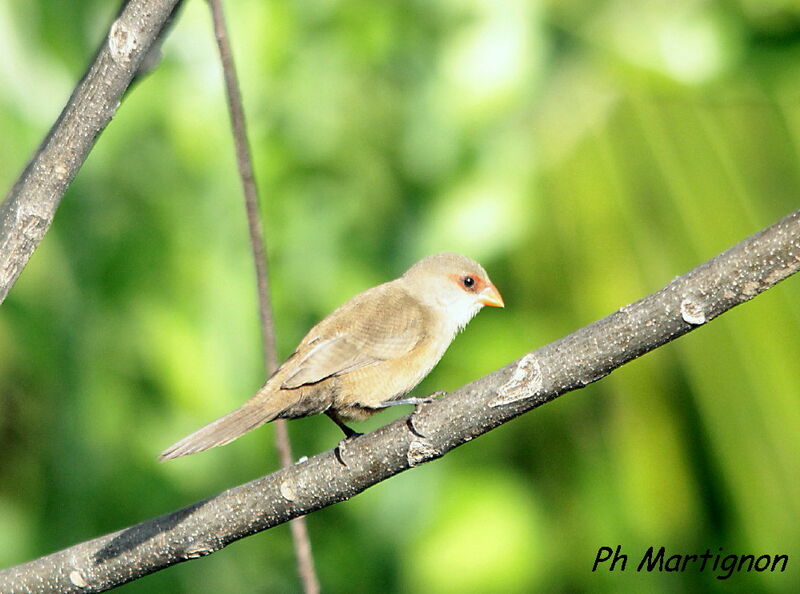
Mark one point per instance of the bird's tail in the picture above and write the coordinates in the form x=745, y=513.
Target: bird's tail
x=223, y=430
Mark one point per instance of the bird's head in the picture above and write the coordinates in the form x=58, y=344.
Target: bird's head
x=453, y=284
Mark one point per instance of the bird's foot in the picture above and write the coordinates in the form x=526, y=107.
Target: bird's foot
x=434, y=396
x=340, y=448
x=348, y=432
x=349, y=435
x=412, y=400
x=417, y=402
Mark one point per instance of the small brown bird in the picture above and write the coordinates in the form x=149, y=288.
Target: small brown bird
x=365, y=355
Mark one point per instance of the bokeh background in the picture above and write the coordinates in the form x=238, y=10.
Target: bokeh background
x=586, y=152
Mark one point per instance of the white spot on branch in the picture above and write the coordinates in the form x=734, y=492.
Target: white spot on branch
x=525, y=382
x=76, y=577
x=201, y=550
x=692, y=310
x=122, y=42
x=287, y=490
x=750, y=289
x=419, y=452
x=60, y=171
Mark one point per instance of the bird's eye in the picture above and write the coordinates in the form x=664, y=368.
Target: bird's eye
x=468, y=282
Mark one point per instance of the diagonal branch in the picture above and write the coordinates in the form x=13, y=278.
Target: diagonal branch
x=300, y=539
x=29, y=207
x=686, y=303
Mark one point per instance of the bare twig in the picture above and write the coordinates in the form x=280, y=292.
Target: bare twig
x=30, y=205
x=686, y=303
x=302, y=543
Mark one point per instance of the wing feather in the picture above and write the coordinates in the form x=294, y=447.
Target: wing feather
x=379, y=325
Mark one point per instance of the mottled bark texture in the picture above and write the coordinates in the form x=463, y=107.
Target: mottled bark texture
x=686, y=303
x=28, y=209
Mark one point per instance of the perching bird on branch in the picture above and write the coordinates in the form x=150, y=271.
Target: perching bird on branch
x=365, y=355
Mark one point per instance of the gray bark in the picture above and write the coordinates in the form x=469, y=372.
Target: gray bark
x=28, y=209
x=686, y=303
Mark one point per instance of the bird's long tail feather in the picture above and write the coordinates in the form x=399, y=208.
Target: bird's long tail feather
x=223, y=430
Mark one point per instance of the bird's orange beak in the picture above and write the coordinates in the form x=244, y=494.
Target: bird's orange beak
x=491, y=296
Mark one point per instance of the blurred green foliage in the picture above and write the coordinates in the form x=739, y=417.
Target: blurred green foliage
x=586, y=152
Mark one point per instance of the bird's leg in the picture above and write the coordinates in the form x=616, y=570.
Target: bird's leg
x=412, y=400
x=348, y=435
x=348, y=432
x=417, y=402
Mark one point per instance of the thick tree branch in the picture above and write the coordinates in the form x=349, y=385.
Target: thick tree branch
x=302, y=543
x=29, y=208
x=689, y=301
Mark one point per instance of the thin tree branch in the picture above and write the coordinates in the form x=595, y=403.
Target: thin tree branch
x=686, y=303
x=302, y=543
x=28, y=209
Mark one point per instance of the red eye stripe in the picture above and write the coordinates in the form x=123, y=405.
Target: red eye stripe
x=478, y=285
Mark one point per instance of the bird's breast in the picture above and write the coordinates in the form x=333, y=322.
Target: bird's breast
x=387, y=380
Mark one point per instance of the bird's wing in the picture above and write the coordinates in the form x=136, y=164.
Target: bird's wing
x=380, y=325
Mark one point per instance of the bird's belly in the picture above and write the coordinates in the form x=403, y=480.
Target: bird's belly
x=371, y=386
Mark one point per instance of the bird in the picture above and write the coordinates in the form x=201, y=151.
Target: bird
x=366, y=355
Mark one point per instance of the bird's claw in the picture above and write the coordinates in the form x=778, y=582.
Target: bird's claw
x=412, y=427
x=338, y=451
x=432, y=397
x=417, y=402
